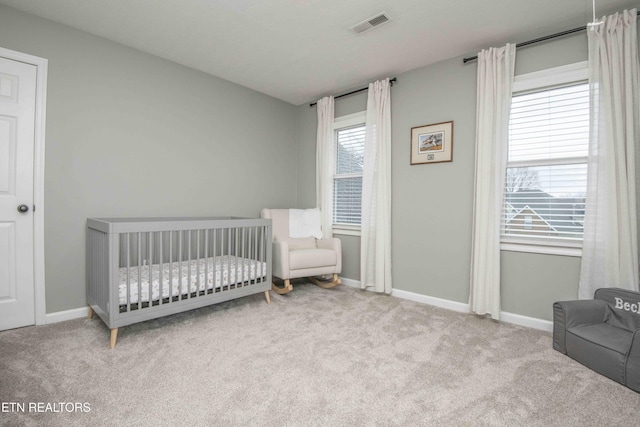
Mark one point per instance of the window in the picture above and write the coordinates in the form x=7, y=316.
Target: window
x=546, y=175
x=347, y=178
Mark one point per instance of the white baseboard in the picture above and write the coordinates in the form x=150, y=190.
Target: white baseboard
x=529, y=322
x=437, y=302
x=61, y=316
x=516, y=319
x=350, y=282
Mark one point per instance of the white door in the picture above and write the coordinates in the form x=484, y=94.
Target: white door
x=17, y=133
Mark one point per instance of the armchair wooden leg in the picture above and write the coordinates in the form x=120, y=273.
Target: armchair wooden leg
x=288, y=287
x=90, y=313
x=324, y=284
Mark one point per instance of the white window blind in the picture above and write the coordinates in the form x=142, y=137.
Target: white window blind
x=546, y=176
x=347, y=201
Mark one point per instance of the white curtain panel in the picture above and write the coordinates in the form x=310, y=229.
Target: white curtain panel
x=324, y=163
x=495, y=82
x=610, y=247
x=375, y=250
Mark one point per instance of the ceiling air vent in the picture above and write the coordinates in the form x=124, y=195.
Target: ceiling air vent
x=370, y=23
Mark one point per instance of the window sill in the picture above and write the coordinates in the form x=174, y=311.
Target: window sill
x=573, y=250
x=346, y=230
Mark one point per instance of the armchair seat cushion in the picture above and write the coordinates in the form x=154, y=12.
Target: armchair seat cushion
x=601, y=347
x=603, y=335
x=310, y=258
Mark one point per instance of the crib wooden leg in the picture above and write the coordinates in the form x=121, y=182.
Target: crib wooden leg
x=90, y=313
x=114, y=336
x=267, y=296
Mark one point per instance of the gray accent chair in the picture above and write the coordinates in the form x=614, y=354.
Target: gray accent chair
x=602, y=334
x=302, y=257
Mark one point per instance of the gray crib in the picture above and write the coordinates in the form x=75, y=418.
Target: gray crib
x=144, y=268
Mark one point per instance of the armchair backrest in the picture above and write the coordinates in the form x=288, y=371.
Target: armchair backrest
x=279, y=222
x=280, y=229
x=624, y=307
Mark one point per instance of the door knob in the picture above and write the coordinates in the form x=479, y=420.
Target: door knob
x=23, y=208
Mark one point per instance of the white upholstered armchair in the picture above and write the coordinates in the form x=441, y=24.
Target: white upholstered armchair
x=308, y=256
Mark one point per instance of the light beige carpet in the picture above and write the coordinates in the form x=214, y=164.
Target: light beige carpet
x=313, y=357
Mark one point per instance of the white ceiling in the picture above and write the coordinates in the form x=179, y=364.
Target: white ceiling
x=301, y=50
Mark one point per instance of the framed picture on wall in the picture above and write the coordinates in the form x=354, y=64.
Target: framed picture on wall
x=432, y=143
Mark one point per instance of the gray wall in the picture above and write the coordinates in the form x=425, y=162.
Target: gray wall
x=130, y=134
x=432, y=204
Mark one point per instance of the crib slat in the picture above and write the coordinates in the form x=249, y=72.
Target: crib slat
x=250, y=252
x=242, y=253
x=243, y=247
x=267, y=252
x=206, y=261
x=254, y=254
x=256, y=248
x=225, y=251
x=189, y=264
x=180, y=264
x=128, y=299
x=215, y=260
x=160, y=273
x=139, y=271
x=237, y=260
x=259, y=251
x=150, y=240
x=261, y=258
x=229, y=255
x=222, y=258
x=233, y=246
x=198, y=262
x=170, y=266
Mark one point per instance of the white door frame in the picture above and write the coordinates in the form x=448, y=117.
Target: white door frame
x=41, y=65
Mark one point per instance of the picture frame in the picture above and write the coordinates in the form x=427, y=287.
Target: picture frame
x=432, y=143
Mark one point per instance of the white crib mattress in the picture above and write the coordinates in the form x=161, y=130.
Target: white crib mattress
x=220, y=271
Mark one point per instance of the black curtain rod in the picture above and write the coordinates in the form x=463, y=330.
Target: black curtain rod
x=541, y=39
x=392, y=81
